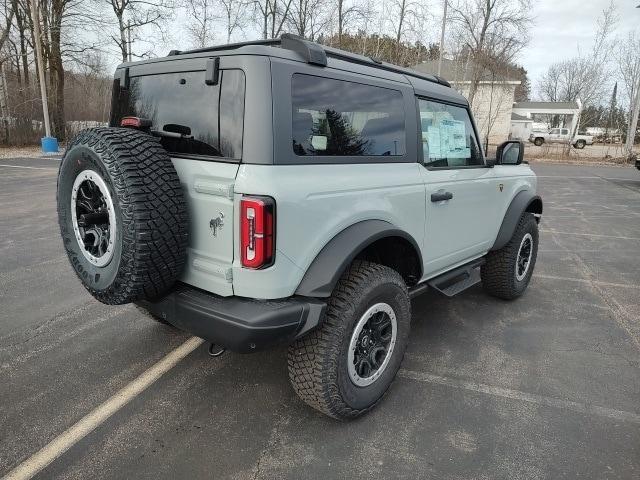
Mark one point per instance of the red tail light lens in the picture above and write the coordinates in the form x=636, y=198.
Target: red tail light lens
x=257, y=232
x=135, y=122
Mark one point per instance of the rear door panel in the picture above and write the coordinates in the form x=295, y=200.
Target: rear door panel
x=208, y=189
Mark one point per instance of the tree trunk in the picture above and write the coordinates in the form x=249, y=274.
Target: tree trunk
x=57, y=71
x=340, y=21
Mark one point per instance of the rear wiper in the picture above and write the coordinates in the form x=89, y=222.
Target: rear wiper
x=173, y=130
x=164, y=133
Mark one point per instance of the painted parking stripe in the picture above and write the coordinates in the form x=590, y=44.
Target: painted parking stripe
x=63, y=442
x=583, y=280
x=594, y=177
x=549, y=230
x=29, y=168
x=584, y=408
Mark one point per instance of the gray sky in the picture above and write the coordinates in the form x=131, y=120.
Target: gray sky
x=563, y=28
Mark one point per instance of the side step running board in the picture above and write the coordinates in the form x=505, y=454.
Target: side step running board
x=458, y=279
x=453, y=282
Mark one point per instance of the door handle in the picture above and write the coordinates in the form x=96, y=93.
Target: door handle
x=441, y=196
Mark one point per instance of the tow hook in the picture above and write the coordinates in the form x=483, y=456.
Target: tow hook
x=216, y=350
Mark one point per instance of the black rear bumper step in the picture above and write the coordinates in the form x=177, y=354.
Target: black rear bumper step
x=236, y=323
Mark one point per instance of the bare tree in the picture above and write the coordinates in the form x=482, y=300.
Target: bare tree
x=347, y=13
x=7, y=13
x=272, y=16
x=583, y=77
x=628, y=59
x=200, y=25
x=489, y=30
x=406, y=14
x=132, y=17
x=309, y=17
x=234, y=15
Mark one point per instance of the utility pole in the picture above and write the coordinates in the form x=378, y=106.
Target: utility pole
x=35, y=17
x=129, y=38
x=633, y=121
x=441, y=49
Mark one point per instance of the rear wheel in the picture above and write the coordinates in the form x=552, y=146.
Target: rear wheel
x=507, y=272
x=345, y=367
x=538, y=141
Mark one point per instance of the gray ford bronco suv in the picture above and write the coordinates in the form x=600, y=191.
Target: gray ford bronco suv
x=282, y=192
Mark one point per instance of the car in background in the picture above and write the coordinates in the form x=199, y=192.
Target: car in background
x=560, y=135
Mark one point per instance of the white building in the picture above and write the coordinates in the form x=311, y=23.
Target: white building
x=527, y=115
x=492, y=103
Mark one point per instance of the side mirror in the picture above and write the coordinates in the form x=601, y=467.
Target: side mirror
x=490, y=162
x=510, y=152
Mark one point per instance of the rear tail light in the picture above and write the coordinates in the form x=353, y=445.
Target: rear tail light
x=135, y=122
x=257, y=232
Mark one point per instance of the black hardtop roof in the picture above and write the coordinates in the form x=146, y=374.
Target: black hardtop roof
x=311, y=52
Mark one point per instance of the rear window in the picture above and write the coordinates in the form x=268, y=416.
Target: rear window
x=191, y=118
x=339, y=118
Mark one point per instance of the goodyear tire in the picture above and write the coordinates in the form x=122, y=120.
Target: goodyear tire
x=344, y=368
x=122, y=214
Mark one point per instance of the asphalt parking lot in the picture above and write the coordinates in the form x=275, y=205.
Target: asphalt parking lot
x=545, y=387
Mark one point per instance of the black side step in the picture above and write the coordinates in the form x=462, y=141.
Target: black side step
x=459, y=279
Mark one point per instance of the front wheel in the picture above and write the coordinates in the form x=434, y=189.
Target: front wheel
x=345, y=367
x=580, y=144
x=507, y=272
x=538, y=141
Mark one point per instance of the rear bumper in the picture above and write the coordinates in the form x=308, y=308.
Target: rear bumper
x=238, y=324
x=638, y=163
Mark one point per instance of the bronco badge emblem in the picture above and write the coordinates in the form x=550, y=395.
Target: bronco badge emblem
x=501, y=186
x=216, y=223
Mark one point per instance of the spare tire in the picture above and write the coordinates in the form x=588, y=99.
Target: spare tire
x=122, y=214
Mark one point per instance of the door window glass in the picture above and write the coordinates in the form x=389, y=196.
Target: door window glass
x=448, y=138
x=340, y=118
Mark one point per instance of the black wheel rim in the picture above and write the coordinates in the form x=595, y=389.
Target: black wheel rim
x=372, y=344
x=93, y=217
x=523, y=259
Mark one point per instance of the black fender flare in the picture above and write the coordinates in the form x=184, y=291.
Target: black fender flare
x=524, y=201
x=325, y=270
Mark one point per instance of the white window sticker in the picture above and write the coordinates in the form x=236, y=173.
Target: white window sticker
x=448, y=139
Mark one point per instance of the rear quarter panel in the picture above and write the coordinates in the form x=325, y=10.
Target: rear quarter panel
x=316, y=202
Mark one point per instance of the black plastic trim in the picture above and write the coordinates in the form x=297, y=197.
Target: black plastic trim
x=238, y=324
x=325, y=270
x=516, y=208
x=310, y=51
x=212, y=73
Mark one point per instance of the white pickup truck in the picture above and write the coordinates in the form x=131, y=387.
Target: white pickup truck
x=560, y=135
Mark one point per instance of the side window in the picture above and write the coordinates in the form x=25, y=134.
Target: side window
x=565, y=131
x=555, y=131
x=340, y=118
x=190, y=117
x=448, y=138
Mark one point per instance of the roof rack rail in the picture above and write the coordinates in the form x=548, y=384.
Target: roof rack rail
x=375, y=63
x=317, y=54
x=228, y=46
x=312, y=52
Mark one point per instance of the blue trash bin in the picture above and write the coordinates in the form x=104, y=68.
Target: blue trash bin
x=49, y=145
